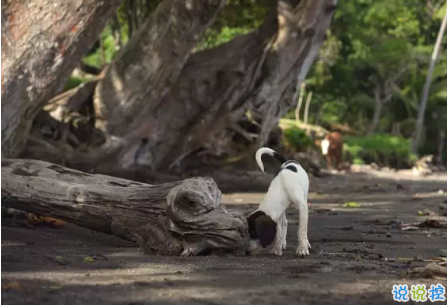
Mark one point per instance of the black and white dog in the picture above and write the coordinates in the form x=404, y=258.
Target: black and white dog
x=268, y=224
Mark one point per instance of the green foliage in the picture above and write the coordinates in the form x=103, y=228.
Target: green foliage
x=239, y=17
x=375, y=41
x=105, y=54
x=297, y=138
x=383, y=149
x=73, y=82
x=214, y=38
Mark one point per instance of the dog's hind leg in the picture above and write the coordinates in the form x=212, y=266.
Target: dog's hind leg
x=281, y=234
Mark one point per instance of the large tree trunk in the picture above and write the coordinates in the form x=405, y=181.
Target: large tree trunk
x=184, y=217
x=134, y=84
x=42, y=42
x=216, y=86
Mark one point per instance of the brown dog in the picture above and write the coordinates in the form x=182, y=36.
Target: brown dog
x=332, y=148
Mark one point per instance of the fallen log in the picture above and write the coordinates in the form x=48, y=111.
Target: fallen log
x=178, y=218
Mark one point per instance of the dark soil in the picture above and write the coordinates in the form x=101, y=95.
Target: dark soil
x=356, y=257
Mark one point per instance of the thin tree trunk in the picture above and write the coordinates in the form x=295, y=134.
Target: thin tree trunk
x=426, y=90
x=360, y=122
x=42, y=42
x=381, y=97
x=306, y=109
x=441, y=142
x=184, y=217
x=300, y=101
x=376, y=117
x=395, y=129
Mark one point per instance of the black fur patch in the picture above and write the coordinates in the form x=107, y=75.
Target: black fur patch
x=279, y=157
x=266, y=230
x=292, y=168
x=262, y=227
x=292, y=161
x=252, y=224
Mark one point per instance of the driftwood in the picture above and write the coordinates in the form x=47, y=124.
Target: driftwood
x=182, y=217
x=426, y=165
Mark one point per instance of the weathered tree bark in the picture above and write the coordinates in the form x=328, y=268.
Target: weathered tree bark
x=217, y=86
x=42, y=41
x=183, y=217
x=141, y=75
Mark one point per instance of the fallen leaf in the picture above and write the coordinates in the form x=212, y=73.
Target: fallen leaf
x=442, y=252
x=62, y=260
x=88, y=259
x=351, y=205
x=10, y=286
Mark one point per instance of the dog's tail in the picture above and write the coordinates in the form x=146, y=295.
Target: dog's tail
x=270, y=152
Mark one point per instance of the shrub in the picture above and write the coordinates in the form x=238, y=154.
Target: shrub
x=297, y=138
x=383, y=149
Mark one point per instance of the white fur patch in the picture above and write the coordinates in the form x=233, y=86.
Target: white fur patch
x=325, y=146
x=260, y=152
x=254, y=246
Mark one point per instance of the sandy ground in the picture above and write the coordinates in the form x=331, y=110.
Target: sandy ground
x=354, y=259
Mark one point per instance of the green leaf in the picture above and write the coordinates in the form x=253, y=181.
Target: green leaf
x=351, y=204
x=62, y=260
x=88, y=259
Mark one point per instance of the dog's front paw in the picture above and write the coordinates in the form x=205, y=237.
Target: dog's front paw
x=303, y=248
x=284, y=245
x=277, y=251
